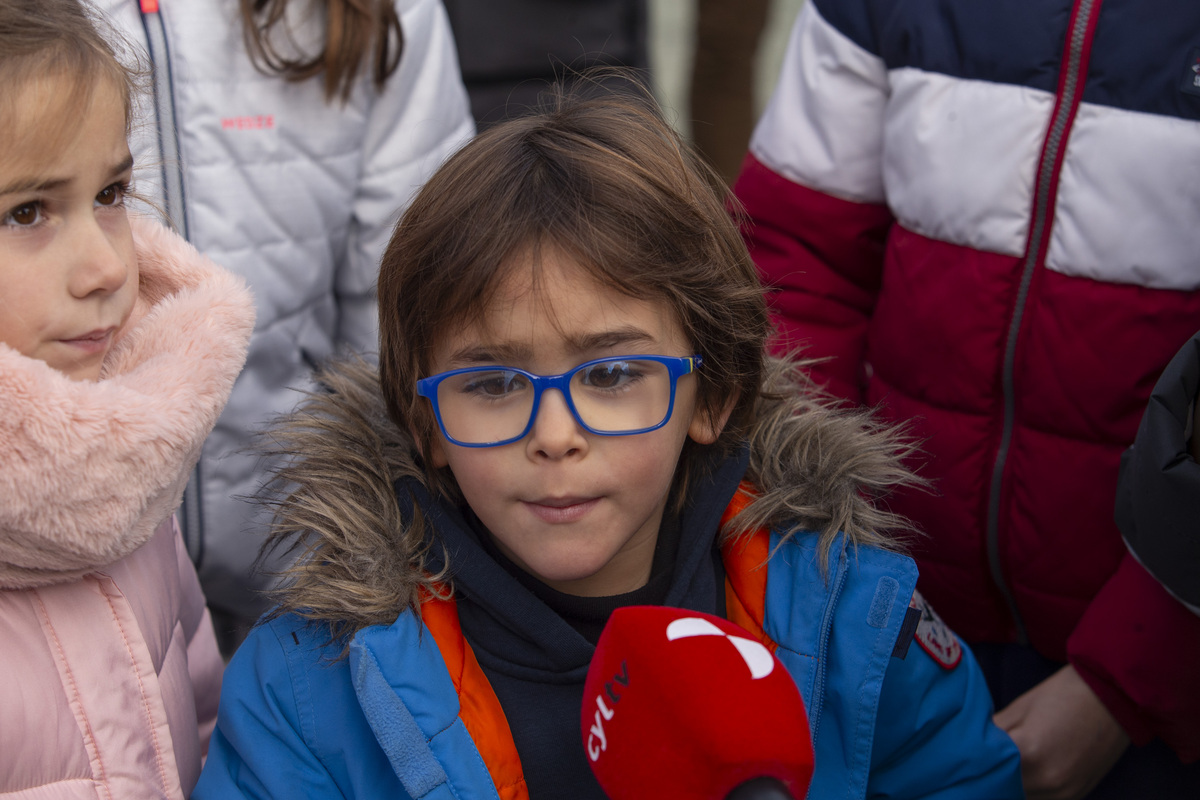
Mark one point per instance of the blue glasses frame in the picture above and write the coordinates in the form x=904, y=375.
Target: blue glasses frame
x=677, y=367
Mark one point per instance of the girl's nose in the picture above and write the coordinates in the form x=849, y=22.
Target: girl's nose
x=100, y=266
x=556, y=434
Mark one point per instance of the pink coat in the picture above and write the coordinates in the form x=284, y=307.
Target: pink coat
x=110, y=669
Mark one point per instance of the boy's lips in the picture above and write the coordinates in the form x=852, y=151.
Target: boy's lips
x=561, y=509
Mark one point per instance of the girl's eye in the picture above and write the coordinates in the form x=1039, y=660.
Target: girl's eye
x=24, y=215
x=112, y=195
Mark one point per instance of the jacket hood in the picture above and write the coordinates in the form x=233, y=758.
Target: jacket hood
x=362, y=554
x=89, y=469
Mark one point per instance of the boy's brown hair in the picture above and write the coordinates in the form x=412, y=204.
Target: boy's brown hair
x=600, y=177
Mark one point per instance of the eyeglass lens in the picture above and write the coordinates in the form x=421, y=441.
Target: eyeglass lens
x=618, y=396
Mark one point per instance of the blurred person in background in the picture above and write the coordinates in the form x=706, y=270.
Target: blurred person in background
x=283, y=139
x=512, y=50
x=721, y=93
x=983, y=217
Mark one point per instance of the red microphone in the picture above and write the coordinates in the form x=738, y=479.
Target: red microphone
x=680, y=704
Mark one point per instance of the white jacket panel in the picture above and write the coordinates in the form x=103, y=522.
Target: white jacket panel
x=298, y=196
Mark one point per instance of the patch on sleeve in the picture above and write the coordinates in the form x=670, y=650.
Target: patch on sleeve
x=934, y=637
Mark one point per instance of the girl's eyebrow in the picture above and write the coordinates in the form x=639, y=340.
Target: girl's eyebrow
x=124, y=165
x=22, y=185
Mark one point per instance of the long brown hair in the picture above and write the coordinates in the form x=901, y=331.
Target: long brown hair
x=599, y=176
x=355, y=31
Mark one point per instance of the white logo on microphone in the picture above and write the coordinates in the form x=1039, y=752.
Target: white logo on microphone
x=757, y=657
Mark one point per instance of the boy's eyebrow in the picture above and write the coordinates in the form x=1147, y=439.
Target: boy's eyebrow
x=22, y=185
x=582, y=343
x=490, y=354
x=605, y=340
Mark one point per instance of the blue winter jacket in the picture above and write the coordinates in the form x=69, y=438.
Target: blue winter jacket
x=296, y=722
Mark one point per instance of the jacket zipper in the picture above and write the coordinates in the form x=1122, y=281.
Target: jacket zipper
x=164, y=104
x=1070, y=90
x=191, y=517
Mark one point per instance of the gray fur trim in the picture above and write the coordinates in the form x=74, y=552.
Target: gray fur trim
x=355, y=562
x=823, y=468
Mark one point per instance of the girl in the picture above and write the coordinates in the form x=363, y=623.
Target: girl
x=286, y=135
x=118, y=347
x=573, y=413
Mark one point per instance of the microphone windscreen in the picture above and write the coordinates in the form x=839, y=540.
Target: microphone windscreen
x=680, y=704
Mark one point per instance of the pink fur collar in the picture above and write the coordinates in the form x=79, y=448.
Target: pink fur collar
x=88, y=470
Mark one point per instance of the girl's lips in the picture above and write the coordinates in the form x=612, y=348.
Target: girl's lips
x=557, y=511
x=93, y=342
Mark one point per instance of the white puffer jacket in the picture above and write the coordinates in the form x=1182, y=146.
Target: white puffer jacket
x=110, y=670
x=296, y=195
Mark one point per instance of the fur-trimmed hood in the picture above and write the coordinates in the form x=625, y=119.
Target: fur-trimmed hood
x=360, y=561
x=89, y=469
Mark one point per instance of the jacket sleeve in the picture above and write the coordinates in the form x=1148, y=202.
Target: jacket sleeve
x=205, y=665
x=934, y=735
x=812, y=190
x=1137, y=646
x=418, y=120
x=261, y=746
x=1158, y=492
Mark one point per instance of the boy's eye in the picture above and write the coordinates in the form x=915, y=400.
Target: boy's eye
x=111, y=195
x=609, y=375
x=24, y=215
x=495, y=384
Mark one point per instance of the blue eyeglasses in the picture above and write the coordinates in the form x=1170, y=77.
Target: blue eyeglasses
x=492, y=406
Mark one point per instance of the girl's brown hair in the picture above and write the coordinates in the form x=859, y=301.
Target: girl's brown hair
x=355, y=30
x=64, y=42
x=600, y=177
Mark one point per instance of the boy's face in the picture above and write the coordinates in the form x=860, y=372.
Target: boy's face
x=68, y=275
x=580, y=512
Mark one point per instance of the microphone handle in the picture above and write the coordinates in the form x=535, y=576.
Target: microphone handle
x=765, y=788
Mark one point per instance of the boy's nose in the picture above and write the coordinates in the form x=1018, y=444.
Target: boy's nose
x=556, y=433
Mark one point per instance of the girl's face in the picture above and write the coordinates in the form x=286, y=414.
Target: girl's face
x=68, y=276
x=579, y=511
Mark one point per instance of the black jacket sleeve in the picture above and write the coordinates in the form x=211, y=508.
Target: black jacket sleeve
x=1158, y=493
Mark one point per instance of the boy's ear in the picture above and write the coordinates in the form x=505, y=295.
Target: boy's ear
x=437, y=453
x=705, y=427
